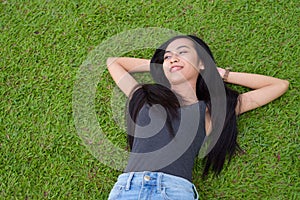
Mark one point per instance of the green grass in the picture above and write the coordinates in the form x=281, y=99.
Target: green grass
x=43, y=44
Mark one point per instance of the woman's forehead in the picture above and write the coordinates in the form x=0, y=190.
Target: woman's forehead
x=179, y=43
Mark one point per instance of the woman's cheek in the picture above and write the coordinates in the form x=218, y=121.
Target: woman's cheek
x=166, y=70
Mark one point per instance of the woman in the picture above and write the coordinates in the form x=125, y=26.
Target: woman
x=183, y=97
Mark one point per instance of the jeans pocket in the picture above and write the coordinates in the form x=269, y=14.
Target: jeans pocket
x=177, y=194
x=115, y=192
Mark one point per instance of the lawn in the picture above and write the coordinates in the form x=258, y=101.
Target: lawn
x=45, y=45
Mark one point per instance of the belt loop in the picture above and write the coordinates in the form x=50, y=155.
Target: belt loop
x=127, y=187
x=196, y=193
x=158, y=184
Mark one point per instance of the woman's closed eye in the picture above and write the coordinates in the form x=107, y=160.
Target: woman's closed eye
x=166, y=57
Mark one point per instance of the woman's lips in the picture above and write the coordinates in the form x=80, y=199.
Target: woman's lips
x=175, y=68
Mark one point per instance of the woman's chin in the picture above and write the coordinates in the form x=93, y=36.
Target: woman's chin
x=177, y=81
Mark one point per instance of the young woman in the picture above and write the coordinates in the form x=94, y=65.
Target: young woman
x=168, y=121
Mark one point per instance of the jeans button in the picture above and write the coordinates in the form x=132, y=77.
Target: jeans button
x=147, y=178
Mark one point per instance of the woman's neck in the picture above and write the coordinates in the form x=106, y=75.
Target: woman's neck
x=187, y=93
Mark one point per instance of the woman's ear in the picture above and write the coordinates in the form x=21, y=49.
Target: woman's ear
x=201, y=65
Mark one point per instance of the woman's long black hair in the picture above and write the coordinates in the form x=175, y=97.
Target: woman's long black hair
x=160, y=93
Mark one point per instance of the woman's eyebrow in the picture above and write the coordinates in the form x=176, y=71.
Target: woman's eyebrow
x=182, y=46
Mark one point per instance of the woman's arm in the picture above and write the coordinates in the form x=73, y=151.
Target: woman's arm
x=120, y=69
x=265, y=89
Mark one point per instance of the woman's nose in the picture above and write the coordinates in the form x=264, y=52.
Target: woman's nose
x=174, y=59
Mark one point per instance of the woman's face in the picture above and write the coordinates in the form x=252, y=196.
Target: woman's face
x=181, y=62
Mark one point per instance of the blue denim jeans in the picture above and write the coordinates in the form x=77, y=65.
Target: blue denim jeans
x=152, y=185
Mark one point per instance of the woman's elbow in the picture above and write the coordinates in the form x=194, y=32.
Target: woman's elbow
x=110, y=60
x=285, y=85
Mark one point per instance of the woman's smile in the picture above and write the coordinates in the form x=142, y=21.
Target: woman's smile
x=175, y=68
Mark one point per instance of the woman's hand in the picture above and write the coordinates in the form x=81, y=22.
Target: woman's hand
x=221, y=71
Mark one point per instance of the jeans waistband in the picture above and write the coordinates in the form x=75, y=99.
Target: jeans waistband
x=157, y=179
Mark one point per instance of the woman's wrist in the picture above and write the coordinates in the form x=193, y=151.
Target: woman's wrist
x=224, y=73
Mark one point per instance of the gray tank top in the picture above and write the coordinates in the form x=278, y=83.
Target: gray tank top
x=156, y=149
